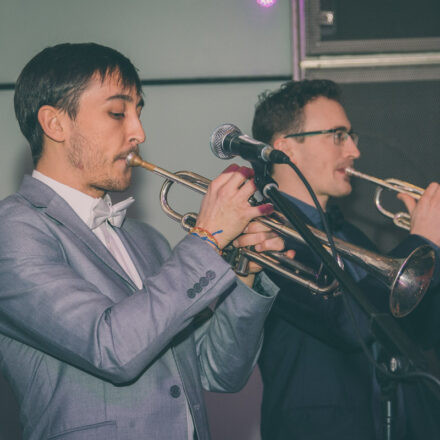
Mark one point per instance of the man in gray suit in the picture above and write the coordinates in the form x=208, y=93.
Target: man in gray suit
x=100, y=328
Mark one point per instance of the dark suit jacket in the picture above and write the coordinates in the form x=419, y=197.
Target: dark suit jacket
x=317, y=381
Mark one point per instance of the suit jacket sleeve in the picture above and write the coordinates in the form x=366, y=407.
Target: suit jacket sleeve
x=228, y=345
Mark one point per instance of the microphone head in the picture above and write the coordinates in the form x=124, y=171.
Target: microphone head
x=218, y=138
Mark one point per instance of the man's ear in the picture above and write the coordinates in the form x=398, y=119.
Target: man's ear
x=52, y=121
x=285, y=146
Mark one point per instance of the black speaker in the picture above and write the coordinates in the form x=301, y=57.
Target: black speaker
x=373, y=26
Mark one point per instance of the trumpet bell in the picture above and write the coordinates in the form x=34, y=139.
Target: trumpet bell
x=412, y=281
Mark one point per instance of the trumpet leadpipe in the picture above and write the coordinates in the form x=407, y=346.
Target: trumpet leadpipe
x=133, y=160
x=391, y=184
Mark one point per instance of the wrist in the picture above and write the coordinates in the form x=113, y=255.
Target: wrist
x=248, y=280
x=207, y=236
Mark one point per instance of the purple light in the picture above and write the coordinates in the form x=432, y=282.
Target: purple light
x=266, y=3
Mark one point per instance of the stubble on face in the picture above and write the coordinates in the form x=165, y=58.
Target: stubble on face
x=84, y=155
x=75, y=154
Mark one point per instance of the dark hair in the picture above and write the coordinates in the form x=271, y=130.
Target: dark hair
x=282, y=110
x=57, y=76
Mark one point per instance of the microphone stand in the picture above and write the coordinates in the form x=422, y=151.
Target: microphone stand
x=388, y=391
x=399, y=349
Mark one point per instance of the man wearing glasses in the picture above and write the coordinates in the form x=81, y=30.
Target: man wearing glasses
x=318, y=383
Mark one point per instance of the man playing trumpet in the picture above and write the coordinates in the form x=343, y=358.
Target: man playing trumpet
x=317, y=381
x=98, y=331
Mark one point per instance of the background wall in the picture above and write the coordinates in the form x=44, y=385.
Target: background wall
x=245, y=49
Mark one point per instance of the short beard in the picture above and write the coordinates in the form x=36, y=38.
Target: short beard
x=111, y=185
x=75, y=154
x=82, y=157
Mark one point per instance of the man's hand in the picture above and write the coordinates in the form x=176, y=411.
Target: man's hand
x=225, y=206
x=425, y=214
x=262, y=238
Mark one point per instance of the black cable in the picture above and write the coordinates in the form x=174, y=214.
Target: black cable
x=421, y=375
x=329, y=234
x=318, y=207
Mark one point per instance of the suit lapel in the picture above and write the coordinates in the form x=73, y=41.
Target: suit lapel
x=143, y=264
x=55, y=207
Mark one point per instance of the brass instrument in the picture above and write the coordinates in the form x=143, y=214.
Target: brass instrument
x=408, y=278
x=400, y=219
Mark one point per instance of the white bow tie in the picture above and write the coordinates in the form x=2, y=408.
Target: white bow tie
x=105, y=211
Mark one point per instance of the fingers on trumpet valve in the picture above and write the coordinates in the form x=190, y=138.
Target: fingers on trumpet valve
x=425, y=216
x=409, y=202
x=261, y=238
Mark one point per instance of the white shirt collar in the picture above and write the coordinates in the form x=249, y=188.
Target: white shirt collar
x=81, y=203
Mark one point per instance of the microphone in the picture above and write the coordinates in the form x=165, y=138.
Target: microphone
x=228, y=141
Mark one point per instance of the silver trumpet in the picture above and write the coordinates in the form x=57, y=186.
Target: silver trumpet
x=400, y=219
x=407, y=278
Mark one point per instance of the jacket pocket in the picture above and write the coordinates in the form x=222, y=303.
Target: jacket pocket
x=98, y=431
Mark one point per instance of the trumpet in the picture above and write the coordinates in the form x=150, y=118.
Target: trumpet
x=400, y=219
x=407, y=278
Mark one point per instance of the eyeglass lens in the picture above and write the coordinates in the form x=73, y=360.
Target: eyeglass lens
x=340, y=136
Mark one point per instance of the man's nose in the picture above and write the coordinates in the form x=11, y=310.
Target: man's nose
x=137, y=133
x=351, y=148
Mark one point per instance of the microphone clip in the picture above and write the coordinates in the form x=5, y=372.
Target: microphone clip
x=262, y=178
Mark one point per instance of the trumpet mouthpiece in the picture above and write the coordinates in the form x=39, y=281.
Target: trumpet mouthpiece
x=133, y=160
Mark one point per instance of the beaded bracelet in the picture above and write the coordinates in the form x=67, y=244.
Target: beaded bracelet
x=207, y=236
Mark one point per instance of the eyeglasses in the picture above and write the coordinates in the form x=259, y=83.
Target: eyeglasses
x=340, y=135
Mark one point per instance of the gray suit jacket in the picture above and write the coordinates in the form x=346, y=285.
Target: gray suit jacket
x=88, y=355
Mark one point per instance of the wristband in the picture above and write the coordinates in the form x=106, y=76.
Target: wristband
x=207, y=236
